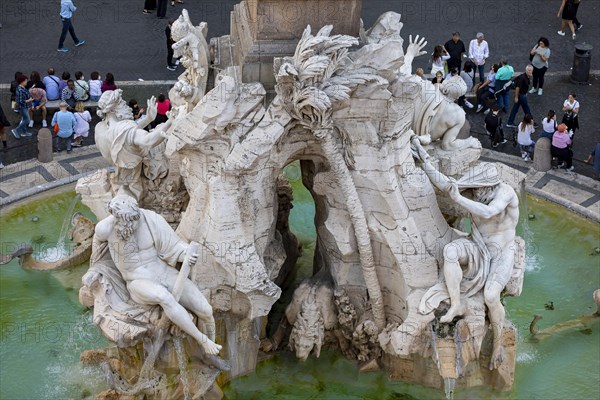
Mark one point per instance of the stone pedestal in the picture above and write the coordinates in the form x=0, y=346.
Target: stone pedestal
x=45, y=145
x=542, y=160
x=264, y=29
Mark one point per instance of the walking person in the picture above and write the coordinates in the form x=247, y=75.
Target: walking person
x=539, y=59
x=594, y=159
x=23, y=101
x=522, y=83
x=456, y=48
x=578, y=25
x=161, y=9
x=567, y=12
x=171, y=66
x=493, y=126
x=479, y=51
x=149, y=6
x=66, y=124
x=67, y=8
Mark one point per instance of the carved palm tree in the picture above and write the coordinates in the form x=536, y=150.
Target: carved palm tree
x=317, y=79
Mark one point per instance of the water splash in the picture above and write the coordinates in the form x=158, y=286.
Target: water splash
x=449, y=387
x=60, y=251
x=182, y=362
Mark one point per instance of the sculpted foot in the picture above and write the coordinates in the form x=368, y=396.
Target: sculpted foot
x=454, y=311
x=497, y=358
x=211, y=347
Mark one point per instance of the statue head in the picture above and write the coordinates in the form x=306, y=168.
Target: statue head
x=308, y=331
x=127, y=214
x=483, y=179
x=111, y=103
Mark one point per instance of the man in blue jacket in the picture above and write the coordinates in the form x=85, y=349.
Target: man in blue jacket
x=66, y=13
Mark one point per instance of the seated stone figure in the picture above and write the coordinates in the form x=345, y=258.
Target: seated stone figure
x=134, y=254
x=485, y=259
x=124, y=143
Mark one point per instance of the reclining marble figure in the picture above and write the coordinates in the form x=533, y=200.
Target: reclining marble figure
x=487, y=256
x=145, y=249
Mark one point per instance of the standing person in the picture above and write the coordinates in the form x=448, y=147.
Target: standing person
x=81, y=87
x=95, y=86
x=108, y=83
x=478, y=52
x=66, y=123
x=161, y=9
x=66, y=14
x=567, y=12
x=468, y=76
x=52, y=85
x=162, y=106
x=549, y=125
x=82, y=125
x=171, y=66
x=39, y=103
x=524, y=137
x=541, y=54
x=149, y=6
x=493, y=126
x=487, y=89
x=456, y=48
x=13, y=91
x=522, y=83
x=3, y=124
x=571, y=112
x=23, y=100
x=438, y=59
x=503, y=75
x=560, y=147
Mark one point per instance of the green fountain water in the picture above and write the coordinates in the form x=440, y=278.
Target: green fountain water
x=43, y=328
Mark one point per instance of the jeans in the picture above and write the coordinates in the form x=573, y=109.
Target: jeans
x=481, y=69
x=22, y=127
x=521, y=103
x=67, y=26
x=502, y=96
x=527, y=149
x=61, y=142
x=538, y=77
x=161, y=9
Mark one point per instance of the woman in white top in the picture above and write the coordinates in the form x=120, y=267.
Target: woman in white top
x=549, y=125
x=95, y=86
x=438, y=59
x=571, y=112
x=82, y=124
x=524, y=137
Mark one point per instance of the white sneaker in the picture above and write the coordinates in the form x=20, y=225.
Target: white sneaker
x=532, y=90
x=574, y=36
x=561, y=33
x=31, y=124
x=44, y=124
x=1, y=165
x=540, y=91
x=479, y=108
x=523, y=155
x=527, y=159
x=468, y=104
x=486, y=112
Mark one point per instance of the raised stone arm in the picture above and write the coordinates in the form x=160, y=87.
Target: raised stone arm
x=439, y=180
x=151, y=112
x=414, y=49
x=154, y=137
x=496, y=206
